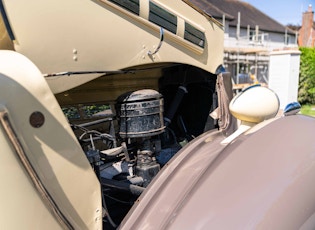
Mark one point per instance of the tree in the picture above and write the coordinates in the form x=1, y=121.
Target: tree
x=294, y=27
x=306, y=93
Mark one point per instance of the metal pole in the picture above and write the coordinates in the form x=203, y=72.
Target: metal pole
x=238, y=52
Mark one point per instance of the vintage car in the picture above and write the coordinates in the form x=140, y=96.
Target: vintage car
x=104, y=124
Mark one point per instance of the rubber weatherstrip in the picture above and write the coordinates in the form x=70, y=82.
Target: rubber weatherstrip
x=5, y=122
x=6, y=21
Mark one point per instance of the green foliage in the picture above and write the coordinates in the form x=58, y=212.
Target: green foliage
x=71, y=112
x=89, y=110
x=83, y=111
x=308, y=110
x=307, y=76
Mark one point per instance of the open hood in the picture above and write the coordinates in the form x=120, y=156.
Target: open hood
x=81, y=35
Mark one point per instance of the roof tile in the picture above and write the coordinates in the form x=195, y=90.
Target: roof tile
x=249, y=14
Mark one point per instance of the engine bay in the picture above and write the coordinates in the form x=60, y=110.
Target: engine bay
x=129, y=141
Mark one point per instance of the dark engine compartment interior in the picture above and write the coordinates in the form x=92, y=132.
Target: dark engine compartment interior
x=136, y=135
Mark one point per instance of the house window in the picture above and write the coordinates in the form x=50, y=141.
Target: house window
x=162, y=18
x=257, y=38
x=252, y=35
x=287, y=39
x=130, y=5
x=194, y=35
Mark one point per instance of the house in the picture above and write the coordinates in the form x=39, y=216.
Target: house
x=307, y=31
x=250, y=36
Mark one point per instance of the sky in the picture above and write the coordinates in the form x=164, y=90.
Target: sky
x=284, y=11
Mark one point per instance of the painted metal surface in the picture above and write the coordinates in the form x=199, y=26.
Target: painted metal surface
x=80, y=35
x=262, y=180
x=255, y=104
x=63, y=176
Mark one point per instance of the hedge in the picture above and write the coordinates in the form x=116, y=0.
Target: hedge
x=306, y=94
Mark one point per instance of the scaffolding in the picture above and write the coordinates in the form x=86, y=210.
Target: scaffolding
x=247, y=52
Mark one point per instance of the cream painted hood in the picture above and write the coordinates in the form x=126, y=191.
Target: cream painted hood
x=101, y=35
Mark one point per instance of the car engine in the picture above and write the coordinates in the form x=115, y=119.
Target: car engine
x=126, y=161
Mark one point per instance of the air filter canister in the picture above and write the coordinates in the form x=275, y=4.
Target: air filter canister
x=140, y=113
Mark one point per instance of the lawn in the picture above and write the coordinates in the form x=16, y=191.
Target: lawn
x=308, y=110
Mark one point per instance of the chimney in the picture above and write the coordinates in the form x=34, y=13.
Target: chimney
x=305, y=37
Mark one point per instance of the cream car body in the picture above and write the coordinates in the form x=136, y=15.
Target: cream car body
x=77, y=52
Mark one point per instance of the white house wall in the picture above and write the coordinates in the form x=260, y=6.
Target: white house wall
x=270, y=41
x=284, y=75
